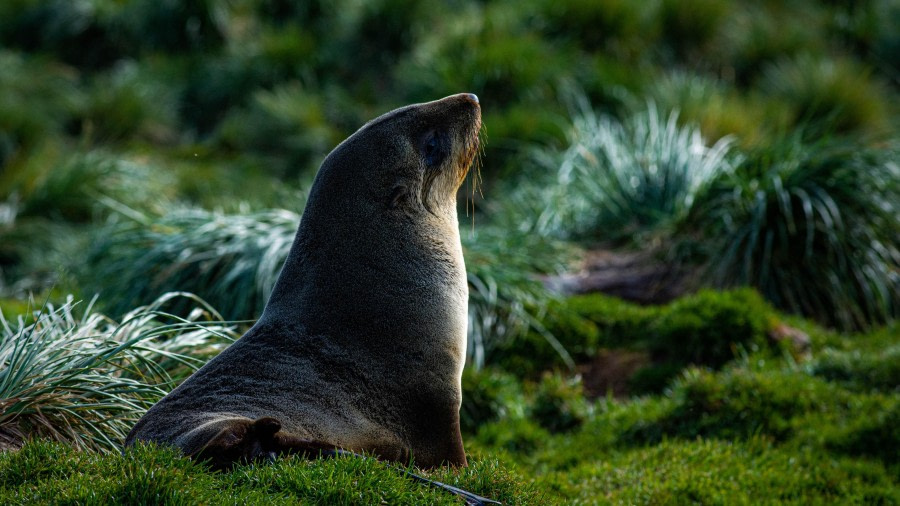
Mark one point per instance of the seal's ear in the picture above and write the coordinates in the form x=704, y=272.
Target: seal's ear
x=398, y=196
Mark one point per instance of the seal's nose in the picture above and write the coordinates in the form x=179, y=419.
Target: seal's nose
x=473, y=97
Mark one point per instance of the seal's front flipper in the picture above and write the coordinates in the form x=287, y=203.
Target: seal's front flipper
x=239, y=440
x=245, y=440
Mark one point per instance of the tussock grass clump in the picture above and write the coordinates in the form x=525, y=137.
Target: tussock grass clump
x=531, y=353
x=507, y=303
x=87, y=379
x=619, y=178
x=129, y=101
x=75, y=188
x=717, y=108
x=759, y=33
x=286, y=123
x=690, y=27
x=231, y=261
x=812, y=226
x=36, y=101
x=839, y=94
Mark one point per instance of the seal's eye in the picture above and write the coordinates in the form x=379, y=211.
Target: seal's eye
x=433, y=149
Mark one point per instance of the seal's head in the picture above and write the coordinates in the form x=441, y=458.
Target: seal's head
x=410, y=160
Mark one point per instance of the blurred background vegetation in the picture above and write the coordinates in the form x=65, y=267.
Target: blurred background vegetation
x=738, y=143
x=151, y=146
x=730, y=165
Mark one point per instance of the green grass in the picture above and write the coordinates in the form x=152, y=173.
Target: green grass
x=52, y=473
x=122, y=114
x=720, y=472
x=761, y=428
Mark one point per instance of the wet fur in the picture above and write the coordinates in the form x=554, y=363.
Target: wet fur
x=362, y=343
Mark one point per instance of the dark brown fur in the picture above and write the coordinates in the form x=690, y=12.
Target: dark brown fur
x=362, y=343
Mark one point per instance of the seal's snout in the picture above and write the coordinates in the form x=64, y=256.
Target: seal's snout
x=473, y=97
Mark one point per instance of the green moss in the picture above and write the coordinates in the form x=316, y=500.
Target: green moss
x=653, y=378
x=875, y=434
x=534, y=352
x=559, y=403
x=738, y=404
x=710, y=471
x=620, y=323
x=875, y=370
x=706, y=328
x=709, y=328
x=514, y=435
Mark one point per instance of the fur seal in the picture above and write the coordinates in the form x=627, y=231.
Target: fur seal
x=362, y=343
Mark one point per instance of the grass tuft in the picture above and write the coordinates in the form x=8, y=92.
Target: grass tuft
x=619, y=178
x=231, y=261
x=813, y=226
x=85, y=379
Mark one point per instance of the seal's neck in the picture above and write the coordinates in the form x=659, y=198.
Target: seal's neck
x=363, y=278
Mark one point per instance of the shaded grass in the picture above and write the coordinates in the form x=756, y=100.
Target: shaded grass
x=506, y=300
x=231, y=261
x=840, y=95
